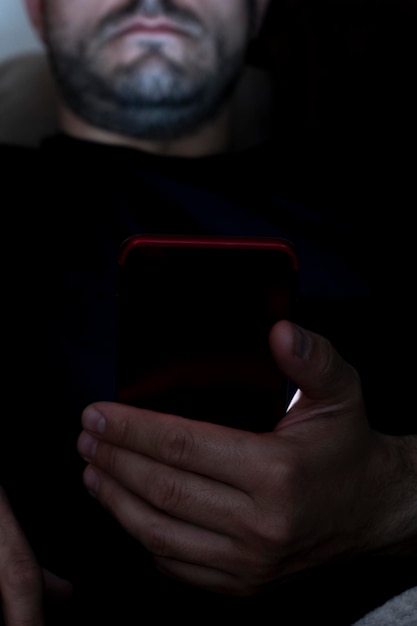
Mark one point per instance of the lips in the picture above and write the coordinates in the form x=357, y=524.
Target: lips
x=151, y=27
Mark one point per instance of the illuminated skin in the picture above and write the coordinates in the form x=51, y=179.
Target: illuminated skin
x=234, y=512
x=157, y=72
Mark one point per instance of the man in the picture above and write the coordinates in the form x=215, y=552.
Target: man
x=196, y=521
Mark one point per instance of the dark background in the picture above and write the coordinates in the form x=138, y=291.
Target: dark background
x=344, y=70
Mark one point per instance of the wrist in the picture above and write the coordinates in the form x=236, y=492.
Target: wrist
x=397, y=484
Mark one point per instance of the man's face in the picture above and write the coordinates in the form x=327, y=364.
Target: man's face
x=150, y=69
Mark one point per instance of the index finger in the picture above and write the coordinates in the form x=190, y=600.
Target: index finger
x=220, y=452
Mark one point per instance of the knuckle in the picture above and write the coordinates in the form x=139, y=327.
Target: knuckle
x=168, y=492
x=176, y=445
x=270, y=531
x=111, y=462
x=123, y=434
x=156, y=539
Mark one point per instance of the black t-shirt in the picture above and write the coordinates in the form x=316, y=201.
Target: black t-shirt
x=70, y=204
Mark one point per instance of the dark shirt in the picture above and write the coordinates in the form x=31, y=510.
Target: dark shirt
x=72, y=206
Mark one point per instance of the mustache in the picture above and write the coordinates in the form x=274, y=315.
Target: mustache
x=180, y=16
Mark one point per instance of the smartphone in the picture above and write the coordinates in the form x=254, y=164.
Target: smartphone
x=194, y=315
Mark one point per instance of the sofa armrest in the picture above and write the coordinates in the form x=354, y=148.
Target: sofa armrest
x=27, y=100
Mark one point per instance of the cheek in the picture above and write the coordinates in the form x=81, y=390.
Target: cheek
x=227, y=18
x=230, y=23
x=78, y=16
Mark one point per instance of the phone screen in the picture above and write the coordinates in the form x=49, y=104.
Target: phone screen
x=194, y=315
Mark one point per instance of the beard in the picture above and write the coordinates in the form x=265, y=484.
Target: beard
x=156, y=96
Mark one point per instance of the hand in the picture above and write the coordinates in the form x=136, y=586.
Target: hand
x=23, y=584
x=233, y=511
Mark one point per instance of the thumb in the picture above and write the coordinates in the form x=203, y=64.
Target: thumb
x=311, y=362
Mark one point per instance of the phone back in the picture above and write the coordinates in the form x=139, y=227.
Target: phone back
x=194, y=320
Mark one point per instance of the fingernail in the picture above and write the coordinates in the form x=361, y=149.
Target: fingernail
x=87, y=446
x=93, y=421
x=302, y=343
x=91, y=481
